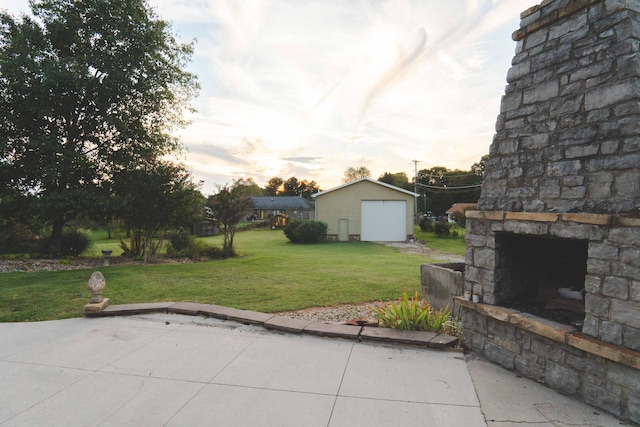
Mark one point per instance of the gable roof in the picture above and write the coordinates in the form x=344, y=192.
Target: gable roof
x=281, y=203
x=383, y=184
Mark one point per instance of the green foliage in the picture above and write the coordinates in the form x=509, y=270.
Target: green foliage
x=183, y=244
x=290, y=187
x=180, y=239
x=426, y=224
x=152, y=198
x=442, y=228
x=88, y=89
x=353, y=173
x=413, y=314
x=18, y=238
x=72, y=244
x=227, y=209
x=301, y=231
x=398, y=179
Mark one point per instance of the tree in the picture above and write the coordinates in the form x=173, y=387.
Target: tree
x=351, y=174
x=291, y=187
x=87, y=89
x=153, y=198
x=249, y=187
x=398, y=179
x=274, y=186
x=227, y=208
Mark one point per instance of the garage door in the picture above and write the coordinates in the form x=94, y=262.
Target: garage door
x=384, y=220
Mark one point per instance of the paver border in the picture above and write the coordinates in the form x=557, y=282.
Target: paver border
x=425, y=339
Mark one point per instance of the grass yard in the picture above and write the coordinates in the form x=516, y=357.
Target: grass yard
x=271, y=275
x=449, y=244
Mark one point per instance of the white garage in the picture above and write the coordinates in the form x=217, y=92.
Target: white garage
x=384, y=220
x=366, y=209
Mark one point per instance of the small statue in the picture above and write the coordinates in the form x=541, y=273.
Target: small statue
x=96, y=285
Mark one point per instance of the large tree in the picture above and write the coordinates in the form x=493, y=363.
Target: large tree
x=87, y=89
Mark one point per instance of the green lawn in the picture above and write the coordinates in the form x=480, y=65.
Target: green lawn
x=271, y=275
x=449, y=244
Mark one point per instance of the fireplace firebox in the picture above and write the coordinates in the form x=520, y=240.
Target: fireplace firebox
x=543, y=276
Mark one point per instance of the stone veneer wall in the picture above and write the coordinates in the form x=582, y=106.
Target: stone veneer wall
x=568, y=133
x=565, y=163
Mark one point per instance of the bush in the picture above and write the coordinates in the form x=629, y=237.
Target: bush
x=180, y=239
x=442, y=228
x=18, y=239
x=185, y=245
x=426, y=224
x=73, y=243
x=299, y=231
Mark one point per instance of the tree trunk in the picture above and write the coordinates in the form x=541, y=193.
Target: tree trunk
x=56, y=239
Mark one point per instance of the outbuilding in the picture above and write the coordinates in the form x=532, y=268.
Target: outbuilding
x=367, y=210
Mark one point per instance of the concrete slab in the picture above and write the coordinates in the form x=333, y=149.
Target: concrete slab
x=350, y=412
x=507, y=399
x=290, y=362
x=24, y=386
x=379, y=371
x=221, y=405
x=169, y=369
x=18, y=337
x=185, y=355
x=90, y=345
x=101, y=396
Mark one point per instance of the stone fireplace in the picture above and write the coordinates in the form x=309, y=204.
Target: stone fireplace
x=554, y=247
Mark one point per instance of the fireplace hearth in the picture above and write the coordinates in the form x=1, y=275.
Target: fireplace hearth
x=554, y=247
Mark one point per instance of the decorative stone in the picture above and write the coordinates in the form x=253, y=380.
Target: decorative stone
x=96, y=285
x=106, y=254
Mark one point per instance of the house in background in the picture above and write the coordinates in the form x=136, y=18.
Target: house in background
x=458, y=208
x=295, y=207
x=367, y=210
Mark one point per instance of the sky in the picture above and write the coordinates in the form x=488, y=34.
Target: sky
x=309, y=88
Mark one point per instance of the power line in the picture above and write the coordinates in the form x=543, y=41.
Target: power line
x=461, y=187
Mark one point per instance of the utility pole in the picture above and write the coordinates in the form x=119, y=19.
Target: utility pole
x=415, y=190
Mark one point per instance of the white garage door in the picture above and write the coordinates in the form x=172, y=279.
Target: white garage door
x=384, y=221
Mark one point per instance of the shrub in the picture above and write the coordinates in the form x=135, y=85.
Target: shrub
x=185, y=245
x=18, y=238
x=413, y=314
x=180, y=239
x=426, y=224
x=299, y=231
x=442, y=228
x=73, y=243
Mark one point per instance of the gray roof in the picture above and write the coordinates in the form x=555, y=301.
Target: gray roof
x=281, y=203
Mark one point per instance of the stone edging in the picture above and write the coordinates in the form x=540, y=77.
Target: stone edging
x=430, y=340
x=566, y=334
x=579, y=218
